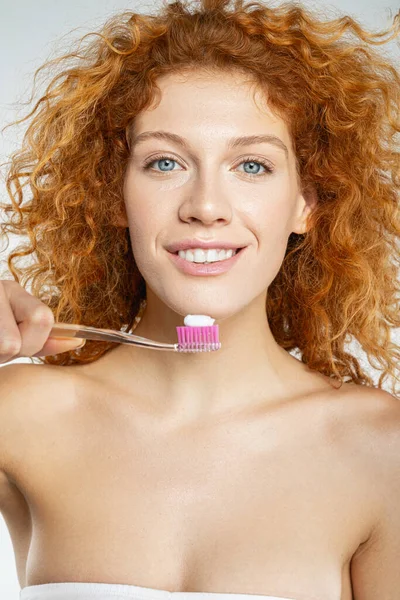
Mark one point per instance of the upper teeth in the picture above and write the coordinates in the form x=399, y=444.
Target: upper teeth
x=211, y=255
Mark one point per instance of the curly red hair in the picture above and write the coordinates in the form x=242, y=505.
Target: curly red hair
x=340, y=100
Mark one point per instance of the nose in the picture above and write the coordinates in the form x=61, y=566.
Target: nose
x=206, y=202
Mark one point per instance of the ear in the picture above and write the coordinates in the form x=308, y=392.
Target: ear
x=307, y=201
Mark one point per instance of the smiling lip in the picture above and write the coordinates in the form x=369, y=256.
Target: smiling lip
x=195, y=243
x=215, y=268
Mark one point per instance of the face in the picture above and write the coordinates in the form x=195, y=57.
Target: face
x=246, y=195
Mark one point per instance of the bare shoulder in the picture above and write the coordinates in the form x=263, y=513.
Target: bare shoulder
x=364, y=423
x=362, y=412
x=383, y=419
x=379, y=426
x=29, y=394
x=371, y=434
x=23, y=385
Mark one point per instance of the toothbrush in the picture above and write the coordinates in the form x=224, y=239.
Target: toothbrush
x=199, y=334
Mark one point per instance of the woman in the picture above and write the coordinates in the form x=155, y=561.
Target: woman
x=132, y=473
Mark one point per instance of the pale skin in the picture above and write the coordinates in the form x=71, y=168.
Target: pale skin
x=237, y=471
x=207, y=194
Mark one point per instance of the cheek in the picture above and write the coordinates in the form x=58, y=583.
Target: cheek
x=270, y=215
x=275, y=220
x=270, y=221
x=140, y=210
x=146, y=222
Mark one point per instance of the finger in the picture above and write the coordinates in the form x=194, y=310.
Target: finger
x=28, y=320
x=59, y=345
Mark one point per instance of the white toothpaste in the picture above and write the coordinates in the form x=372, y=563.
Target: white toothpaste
x=198, y=321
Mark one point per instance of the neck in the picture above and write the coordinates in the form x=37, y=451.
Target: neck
x=249, y=369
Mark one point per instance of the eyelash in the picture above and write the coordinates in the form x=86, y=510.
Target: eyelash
x=147, y=164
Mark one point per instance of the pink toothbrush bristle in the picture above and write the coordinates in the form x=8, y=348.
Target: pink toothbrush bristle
x=198, y=339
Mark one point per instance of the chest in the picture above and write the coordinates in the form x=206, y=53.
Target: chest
x=260, y=508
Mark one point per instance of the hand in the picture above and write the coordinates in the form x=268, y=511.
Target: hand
x=25, y=324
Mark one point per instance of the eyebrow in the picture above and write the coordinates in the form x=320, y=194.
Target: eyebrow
x=232, y=143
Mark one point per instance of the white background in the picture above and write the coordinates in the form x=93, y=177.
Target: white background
x=31, y=33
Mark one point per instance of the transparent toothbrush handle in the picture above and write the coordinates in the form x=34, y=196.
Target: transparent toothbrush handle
x=70, y=330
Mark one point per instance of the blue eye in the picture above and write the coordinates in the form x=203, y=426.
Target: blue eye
x=162, y=159
x=256, y=162
x=249, y=160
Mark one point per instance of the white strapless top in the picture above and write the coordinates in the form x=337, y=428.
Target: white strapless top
x=114, y=591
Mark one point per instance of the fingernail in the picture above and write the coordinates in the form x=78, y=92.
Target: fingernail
x=80, y=345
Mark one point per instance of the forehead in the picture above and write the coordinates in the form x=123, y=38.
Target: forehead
x=223, y=103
